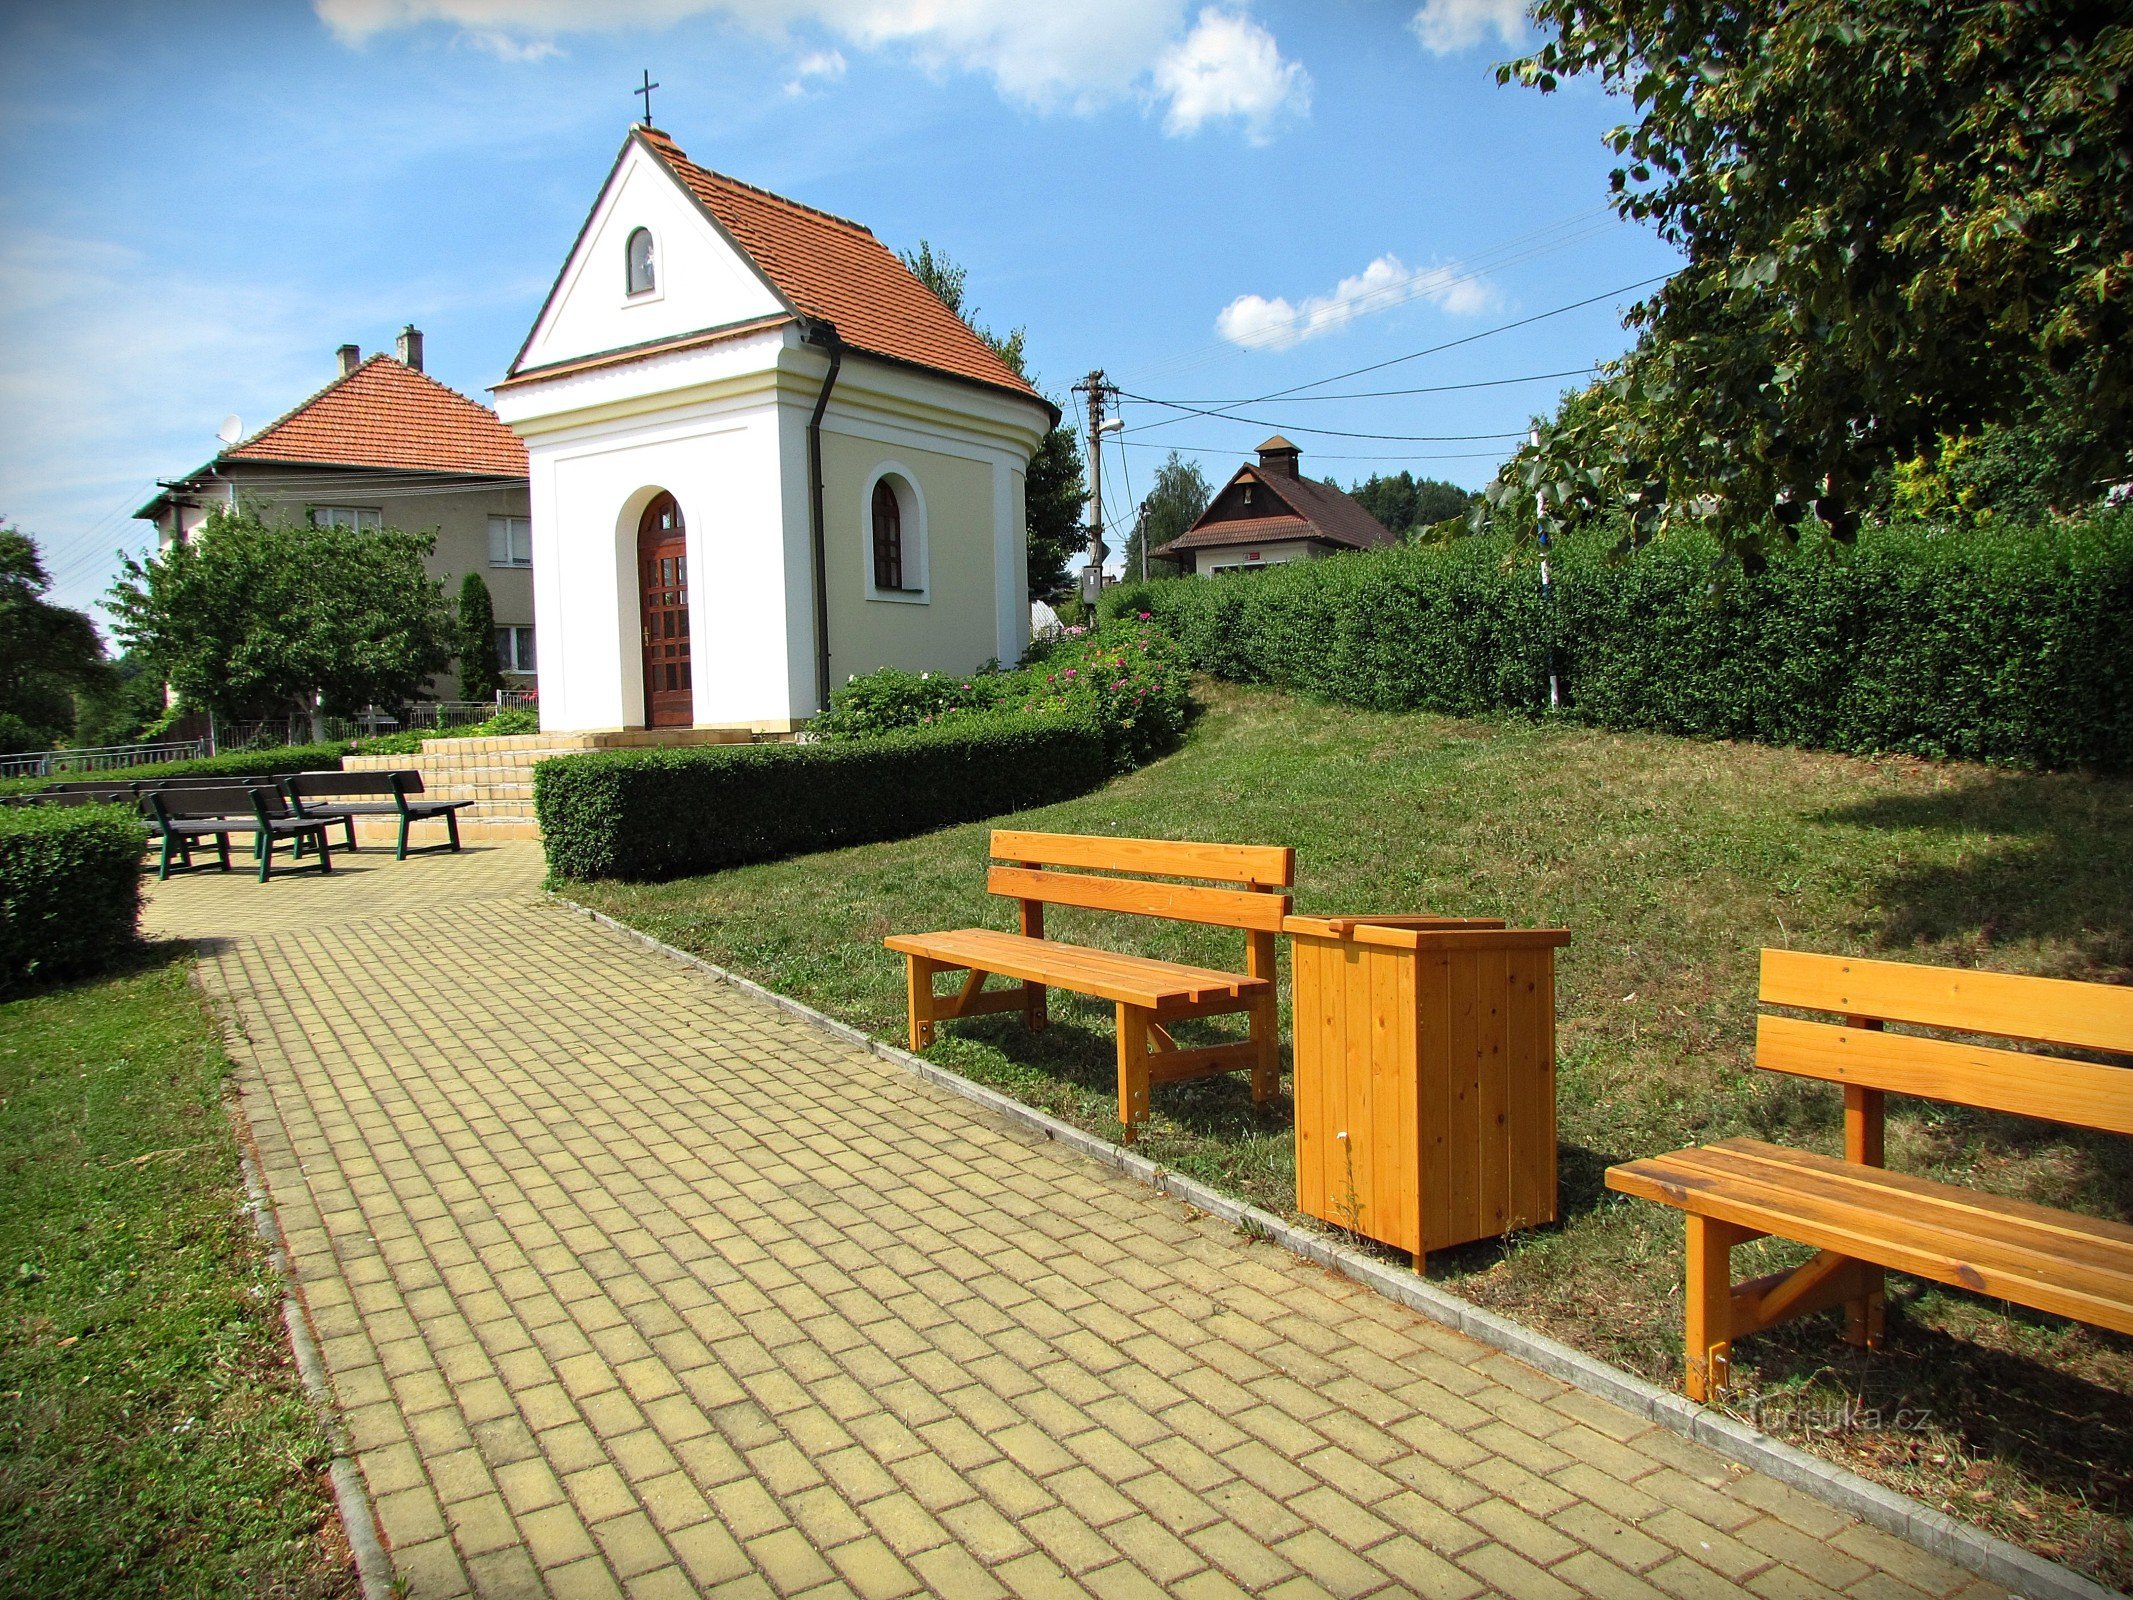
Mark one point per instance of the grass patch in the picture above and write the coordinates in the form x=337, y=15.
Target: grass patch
x=1672, y=862
x=154, y=1438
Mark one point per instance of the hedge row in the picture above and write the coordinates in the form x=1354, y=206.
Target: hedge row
x=2001, y=645
x=654, y=814
x=70, y=890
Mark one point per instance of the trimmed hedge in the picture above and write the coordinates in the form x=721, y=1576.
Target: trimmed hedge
x=652, y=814
x=2006, y=645
x=70, y=890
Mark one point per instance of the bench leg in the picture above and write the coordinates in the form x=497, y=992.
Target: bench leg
x=163, y=872
x=263, y=847
x=325, y=853
x=1864, y=1317
x=401, y=853
x=1132, y=1067
x=451, y=822
x=1708, y=1344
x=1266, y=1058
x=918, y=997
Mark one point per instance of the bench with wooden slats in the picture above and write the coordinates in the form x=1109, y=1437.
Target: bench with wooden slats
x=1149, y=994
x=1860, y=1217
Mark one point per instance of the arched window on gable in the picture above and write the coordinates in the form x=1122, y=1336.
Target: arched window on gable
x=888, y=538
x=643, y=273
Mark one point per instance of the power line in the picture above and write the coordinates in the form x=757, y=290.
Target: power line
x=1391, y=394
x=1335, y=433
x=1232, y=450
x=1430, y=350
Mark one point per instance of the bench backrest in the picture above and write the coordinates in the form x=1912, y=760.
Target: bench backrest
x=81, y=797
x=1860, y=1054
x=227, y=780
x=1260, y=873
x=229, y=800
x=327, y=785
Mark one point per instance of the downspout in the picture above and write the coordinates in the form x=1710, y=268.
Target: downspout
x=824, y=333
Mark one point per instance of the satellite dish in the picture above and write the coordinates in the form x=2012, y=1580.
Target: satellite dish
x=231, y=430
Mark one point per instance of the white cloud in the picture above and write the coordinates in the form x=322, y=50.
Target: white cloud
x=1038, y=53
x=1445, y=26
x=1229, y=67
x=817, y=66
x=1254, y=322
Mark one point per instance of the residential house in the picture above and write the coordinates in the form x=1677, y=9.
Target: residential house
x=386, y=445
x=1269, y=513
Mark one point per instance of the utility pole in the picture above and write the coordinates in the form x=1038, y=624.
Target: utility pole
x=1540, y=523
x=1098, y=390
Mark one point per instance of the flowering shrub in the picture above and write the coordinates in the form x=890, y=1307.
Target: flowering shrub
x=1127, y=677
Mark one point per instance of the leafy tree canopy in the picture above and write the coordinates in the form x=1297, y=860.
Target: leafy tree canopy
x=474, y=641
x=48, y=654
x=250, y=619
x=1403, y=501
x=1180, y=495
x=1902, y=222
x=1054, y=490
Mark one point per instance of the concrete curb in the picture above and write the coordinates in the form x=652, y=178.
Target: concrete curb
x=2029, y=1575
x=374, y=1568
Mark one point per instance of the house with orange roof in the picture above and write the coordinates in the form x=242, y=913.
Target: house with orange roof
x=1269, y=513
x=763, y=458
x=384, y=445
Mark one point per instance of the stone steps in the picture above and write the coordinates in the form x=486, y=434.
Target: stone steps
x=497, y=774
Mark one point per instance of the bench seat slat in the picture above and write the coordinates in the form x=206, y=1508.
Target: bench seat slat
x=1902, y=1220
x=1135, y=980
x=2105, y=1245
x=2093, y=1016
x=1889, y=1235
x=2078, y=1092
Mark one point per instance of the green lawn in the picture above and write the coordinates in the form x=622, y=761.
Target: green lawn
x=1671, y=862
x=154, y=1439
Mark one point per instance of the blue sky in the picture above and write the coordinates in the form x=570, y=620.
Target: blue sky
x=1211, y=202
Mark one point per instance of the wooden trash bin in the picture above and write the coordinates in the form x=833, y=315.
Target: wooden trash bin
x=1425, y=1076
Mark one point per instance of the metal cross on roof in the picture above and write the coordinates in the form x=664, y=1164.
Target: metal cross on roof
x=646, y=91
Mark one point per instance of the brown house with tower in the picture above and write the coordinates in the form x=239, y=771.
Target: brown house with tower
x=1270, y=513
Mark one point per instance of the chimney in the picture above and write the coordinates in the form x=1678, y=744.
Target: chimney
x=351, y=358
x=1278, y=458
x=409, y=348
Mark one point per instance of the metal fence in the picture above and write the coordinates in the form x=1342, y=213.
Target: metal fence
x=102, y=758
x=425, y=717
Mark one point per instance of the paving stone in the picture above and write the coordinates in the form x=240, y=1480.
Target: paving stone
x=631, y=1283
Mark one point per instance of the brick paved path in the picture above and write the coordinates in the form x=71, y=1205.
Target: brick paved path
x=629, y=1283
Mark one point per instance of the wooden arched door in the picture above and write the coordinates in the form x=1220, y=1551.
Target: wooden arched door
x=663, y=606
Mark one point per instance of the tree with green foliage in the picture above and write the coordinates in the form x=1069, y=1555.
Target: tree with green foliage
x=475, y=641
x=1903, y=223
x=1054, y=490
x=1402, y=501
x=49, y=655
x=1180, y=496
x=248, y=619
x=131, y=705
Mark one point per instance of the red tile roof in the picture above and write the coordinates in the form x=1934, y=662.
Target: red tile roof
x=1307, y=510
x=837, y=270
x=388, y=415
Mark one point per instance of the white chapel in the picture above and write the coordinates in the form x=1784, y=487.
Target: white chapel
x=763, y=457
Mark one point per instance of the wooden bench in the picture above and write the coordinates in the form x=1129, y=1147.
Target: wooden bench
x=343, y=796
x=1863, y=1218
x=1149, y=994
x=200, y=813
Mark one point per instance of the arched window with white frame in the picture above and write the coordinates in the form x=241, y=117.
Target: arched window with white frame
x=643, y=266
x=895, y=537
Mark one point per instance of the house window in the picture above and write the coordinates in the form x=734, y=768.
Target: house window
x=643, y=276
x=514, y=650
x=510, y=541
x=364, y=519
x=888, y=538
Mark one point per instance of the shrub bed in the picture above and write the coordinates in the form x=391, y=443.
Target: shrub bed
x=2006, y=645
x=653, y=814
x=1127, y=678
x=70, y=890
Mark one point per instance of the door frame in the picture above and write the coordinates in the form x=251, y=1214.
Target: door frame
x=664, y=708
